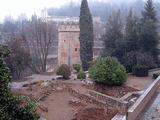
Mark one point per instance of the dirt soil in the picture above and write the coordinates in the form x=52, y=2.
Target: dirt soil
x=61, y=105
x=93, y=113
x=58, y=107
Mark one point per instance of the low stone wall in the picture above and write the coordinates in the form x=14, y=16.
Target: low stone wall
x=93, y=97
x=119, y=117
x=154, y=71
x=143, y=100
x=86, y=98
x=121, y=106
x=101, y=100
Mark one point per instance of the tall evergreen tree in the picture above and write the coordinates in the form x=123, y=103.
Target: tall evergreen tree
x=131, y=37
x=149, y=35
x=131, y=33
x=86, y=35
x=149, y=12
x=113, y=38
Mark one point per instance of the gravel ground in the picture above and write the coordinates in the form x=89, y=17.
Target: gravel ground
x=140, y=83
x=30, y=79
x=153, y=113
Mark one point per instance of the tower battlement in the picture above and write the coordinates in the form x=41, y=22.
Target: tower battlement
x=69, y=27
x=68, y=43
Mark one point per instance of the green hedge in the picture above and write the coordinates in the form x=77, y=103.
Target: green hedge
x=140, y=71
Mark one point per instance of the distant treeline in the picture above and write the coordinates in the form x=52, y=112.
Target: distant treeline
x=104, y=10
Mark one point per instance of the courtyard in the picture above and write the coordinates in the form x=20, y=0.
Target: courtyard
x=56, y=99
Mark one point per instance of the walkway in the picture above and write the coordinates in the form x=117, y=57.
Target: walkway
x=153, y=112
x=30, y=79
x=140, y=83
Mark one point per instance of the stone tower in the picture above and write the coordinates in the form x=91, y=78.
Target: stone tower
x=68, y=44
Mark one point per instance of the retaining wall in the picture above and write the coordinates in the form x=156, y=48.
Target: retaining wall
x=101, y=100
x=143, y=100
x=121, y=106
x=119, y=117
x=87, y=98
x=94, y=97
x=153, y=71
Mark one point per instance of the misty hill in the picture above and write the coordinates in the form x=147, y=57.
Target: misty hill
x=103, y=9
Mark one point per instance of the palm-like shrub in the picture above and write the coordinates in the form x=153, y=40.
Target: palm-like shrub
x=108, y=71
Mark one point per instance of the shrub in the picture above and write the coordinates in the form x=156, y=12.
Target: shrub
x=143, y=63
x=145, y=59
x=81, y=75
x=132, y=59
x=140, y=71
x=108, y=71
x=129, y=60
x=77, y=67
x=64, y=70
x=13, y=107
x=19, y=59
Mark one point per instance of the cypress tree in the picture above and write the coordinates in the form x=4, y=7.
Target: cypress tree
x=86, y=35
x=149, y=35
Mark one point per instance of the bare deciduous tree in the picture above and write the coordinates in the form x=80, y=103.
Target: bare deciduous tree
x=19, y=58
x=38, y=36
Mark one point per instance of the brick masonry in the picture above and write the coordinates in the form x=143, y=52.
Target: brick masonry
x=68, y=44
x=121, y=106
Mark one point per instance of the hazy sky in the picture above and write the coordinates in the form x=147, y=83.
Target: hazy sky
x=16, y=7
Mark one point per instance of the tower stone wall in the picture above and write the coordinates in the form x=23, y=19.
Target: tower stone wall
x=68, y=44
